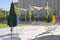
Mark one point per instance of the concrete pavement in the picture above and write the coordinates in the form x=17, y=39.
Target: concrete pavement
x=30, y=32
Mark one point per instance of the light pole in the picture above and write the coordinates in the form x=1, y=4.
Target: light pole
x=47, y=8
x=30, y=11
x=58, y=8
x=25, y=16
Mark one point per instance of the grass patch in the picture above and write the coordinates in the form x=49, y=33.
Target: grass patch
x=3, y=26
x=20, y=25
x=41, y=24
x=6, y=26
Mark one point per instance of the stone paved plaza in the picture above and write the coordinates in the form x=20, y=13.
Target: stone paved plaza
x=30, y=32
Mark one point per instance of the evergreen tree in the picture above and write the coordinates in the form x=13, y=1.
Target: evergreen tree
x=32, y=16
x=3, y=14
x=28, y=16
x=50, y=16
x=44, y=17
x=17, y=10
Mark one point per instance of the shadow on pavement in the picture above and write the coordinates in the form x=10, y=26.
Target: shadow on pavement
x=48, y=31
x=49, y=37
x=13, y=38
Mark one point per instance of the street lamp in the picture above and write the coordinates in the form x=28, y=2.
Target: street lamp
x=48, y=9
x=58, y=7
x=30, y=11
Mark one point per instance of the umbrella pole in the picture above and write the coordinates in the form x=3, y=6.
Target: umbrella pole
x=11, y=32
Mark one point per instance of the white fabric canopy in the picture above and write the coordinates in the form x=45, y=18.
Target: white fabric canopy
x=38, y=8
x=23, y=9
x=35, y=7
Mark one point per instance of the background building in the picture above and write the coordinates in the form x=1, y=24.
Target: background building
x=53, y=4
x=16, y=4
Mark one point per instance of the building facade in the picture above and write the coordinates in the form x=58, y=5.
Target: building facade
x=53, y=4
x=16, y=4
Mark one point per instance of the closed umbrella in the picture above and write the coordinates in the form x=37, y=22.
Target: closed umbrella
x=11, y=22
x=48, y=19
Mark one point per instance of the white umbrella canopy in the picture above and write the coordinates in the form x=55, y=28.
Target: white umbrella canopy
x=47, y=8
x=37, y=8
x=32, y=8
x=26, y=9
x=23, y=9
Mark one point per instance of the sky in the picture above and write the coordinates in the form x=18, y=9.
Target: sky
x=5, y=4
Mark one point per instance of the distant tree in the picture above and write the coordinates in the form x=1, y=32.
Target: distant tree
x=6, y=15
x=50, y=16
x=2, y=14
x=44, y=17
x=17, y=10
x=28, y=16
x=32, y=16
x=48, y=19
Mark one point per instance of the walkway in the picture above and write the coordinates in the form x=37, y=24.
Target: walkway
x=30, y=32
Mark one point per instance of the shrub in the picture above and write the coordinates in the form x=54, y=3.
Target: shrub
x=32, y=16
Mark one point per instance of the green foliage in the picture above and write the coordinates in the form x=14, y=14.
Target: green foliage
x=50, y=16
x=1, y=12
x=48, y=19
x=32, y=16
x=3, y=15
x=28, y=16
x=17, y=10
x=44, y=18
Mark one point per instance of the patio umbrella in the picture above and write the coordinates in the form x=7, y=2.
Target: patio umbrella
x=11, y=22
x=48, y=19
